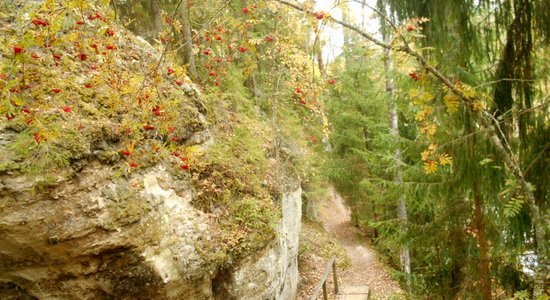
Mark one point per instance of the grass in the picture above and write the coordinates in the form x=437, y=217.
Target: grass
x=314, y=240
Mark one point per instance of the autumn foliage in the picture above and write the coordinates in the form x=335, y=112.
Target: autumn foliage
x=68, y=82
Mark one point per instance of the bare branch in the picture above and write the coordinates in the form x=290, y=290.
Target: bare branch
x=346, y=25
x=383, y=16
x=505, y=79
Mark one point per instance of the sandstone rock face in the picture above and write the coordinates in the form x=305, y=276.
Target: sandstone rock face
x=97, y=236
x=272, y=274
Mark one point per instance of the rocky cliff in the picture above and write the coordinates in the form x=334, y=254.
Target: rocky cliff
x=94, y=237
x=120, y=180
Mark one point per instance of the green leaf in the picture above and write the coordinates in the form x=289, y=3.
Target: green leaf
x=485, y=161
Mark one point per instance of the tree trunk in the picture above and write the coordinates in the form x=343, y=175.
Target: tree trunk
x=319, y=52
x=347, y=38
x=363, y=14
x=252, y=85
x=398, y=176
x=457, y=258
x=157, y=17
x=187, y=48
x=483, y=246
x=538, y=221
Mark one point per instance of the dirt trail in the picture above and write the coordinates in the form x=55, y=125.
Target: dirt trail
x=366, y=268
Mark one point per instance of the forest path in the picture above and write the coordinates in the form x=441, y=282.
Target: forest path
x=366, y=269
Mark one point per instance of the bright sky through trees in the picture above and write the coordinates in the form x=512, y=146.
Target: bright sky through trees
x=333, y=37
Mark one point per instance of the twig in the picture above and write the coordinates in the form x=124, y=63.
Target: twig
x=539, y=156
x=383, y=16
x=504, y=79
x=155, y=68
x=203, y=27
x=114, y=8
x=157, y=65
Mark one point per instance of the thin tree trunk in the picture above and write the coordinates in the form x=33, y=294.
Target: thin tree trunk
x=482, y=241
x=319, y=52
x=155, y=10
x=188, y=58
x=363, y=14
x=252, y=85
x=539, y=225
x=398, y=177
x=457, y=259
x=347, y=39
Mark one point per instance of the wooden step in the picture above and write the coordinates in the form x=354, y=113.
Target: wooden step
x=353, y=293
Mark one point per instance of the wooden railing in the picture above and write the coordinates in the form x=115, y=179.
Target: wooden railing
x=323, y=281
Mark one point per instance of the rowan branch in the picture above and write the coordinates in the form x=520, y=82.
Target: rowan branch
x=346, y=25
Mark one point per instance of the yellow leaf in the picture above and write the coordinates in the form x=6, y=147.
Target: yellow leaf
x=477, y=105
x=431, y=129
x=467, y=90
x=422, y=115
x=426, y=97
x=428, y=129
x=451, y=102
x=18, y=101
x=426, y=154
x=445, y=159
x=73, y=36
x=430, y=166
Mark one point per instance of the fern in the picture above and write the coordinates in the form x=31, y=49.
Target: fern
x=522, y=295
x=515, y=201
x=513, y=207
